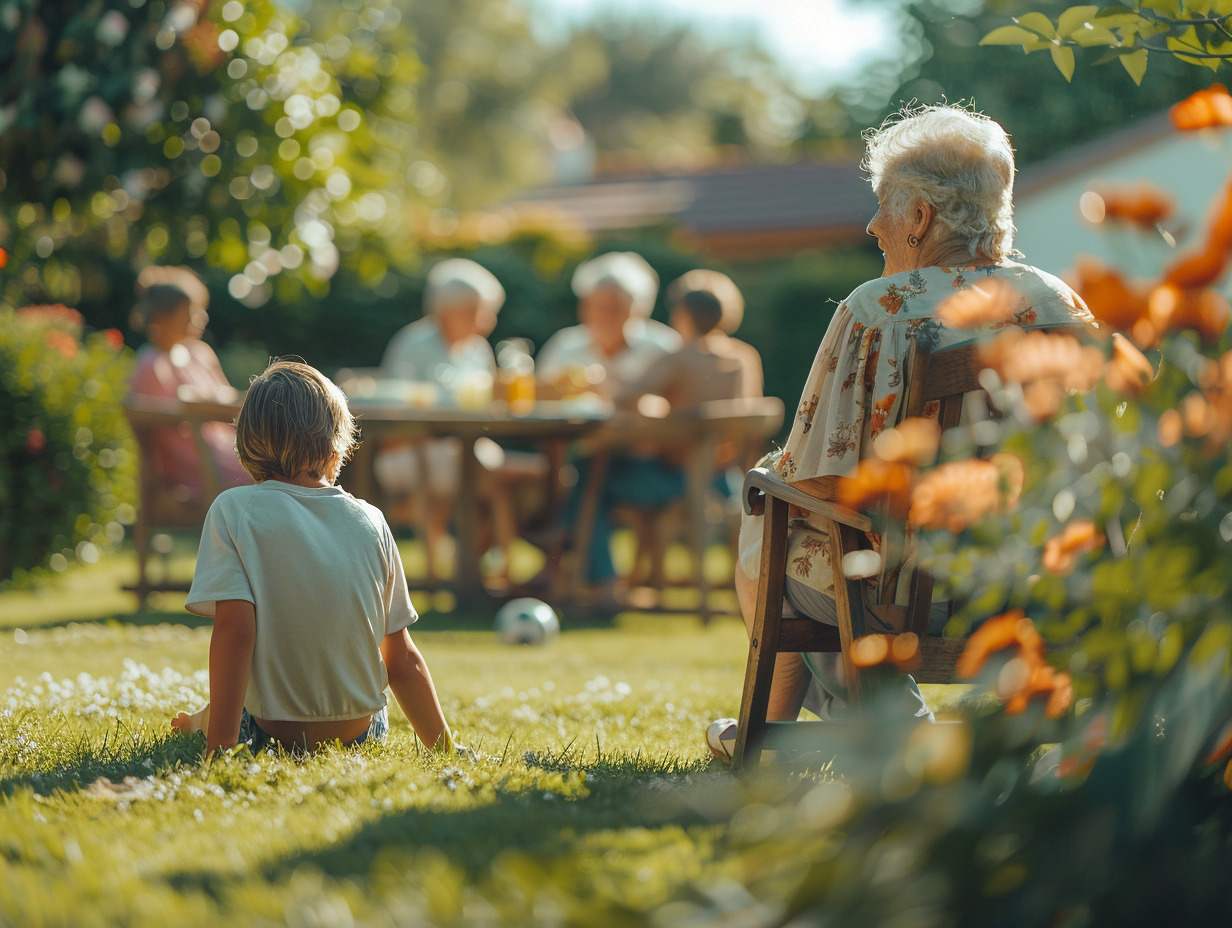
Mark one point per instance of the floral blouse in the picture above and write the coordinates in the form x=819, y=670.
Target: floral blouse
x=855, y=388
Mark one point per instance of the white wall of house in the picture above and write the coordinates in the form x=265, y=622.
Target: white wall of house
x=1193, y=167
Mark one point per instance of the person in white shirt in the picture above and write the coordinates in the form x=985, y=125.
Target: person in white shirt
x=305, y=586
x=616, y=340
x=445, y=348
x=461, y=301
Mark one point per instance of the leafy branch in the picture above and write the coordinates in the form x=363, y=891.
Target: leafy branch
x=1195, y=32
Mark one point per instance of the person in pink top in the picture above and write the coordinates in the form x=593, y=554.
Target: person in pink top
x=176, y=364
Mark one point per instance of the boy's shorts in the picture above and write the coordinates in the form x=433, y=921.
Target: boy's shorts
x=258, y=739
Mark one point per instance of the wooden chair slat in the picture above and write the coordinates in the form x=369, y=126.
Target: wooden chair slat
x=946, y=377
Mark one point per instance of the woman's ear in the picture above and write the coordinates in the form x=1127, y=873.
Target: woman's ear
x=921, y=218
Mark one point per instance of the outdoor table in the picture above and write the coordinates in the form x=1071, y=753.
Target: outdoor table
x=549, y=424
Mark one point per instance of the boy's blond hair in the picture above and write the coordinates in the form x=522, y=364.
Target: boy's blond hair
x=294, y=420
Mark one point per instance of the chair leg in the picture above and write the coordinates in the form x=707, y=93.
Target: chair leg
x=141, y=541
x=764, y=640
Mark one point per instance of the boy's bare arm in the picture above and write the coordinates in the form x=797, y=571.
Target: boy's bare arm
x=231, y=647
x=412, y=687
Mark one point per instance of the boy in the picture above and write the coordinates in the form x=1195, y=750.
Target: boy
x=305, y=586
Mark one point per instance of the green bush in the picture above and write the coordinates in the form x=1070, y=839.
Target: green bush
x=67, y=459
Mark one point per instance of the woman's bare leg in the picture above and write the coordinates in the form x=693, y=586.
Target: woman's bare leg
x=791, y=677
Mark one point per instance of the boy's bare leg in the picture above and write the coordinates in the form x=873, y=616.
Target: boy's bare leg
x=191, y=722
x=791, y=676
x=412, y=686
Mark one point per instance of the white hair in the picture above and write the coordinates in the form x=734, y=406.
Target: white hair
x=460, y=280
x=620, y=270
x=956, y=160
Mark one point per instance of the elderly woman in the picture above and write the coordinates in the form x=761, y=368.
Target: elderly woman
x=616, y=340
x=944, y=181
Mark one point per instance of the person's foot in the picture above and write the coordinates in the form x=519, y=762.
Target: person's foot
x=721, y=739
x=192, y=722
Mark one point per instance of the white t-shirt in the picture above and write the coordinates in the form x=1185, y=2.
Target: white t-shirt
x=323, y=571
x=418, y=352
x=647, y=342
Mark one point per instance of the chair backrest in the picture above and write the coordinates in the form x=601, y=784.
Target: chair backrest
x=944, y=377
x=148, y=416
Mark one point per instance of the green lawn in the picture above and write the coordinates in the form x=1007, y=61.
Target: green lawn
x=576, y=803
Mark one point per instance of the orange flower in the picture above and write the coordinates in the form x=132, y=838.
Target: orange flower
x=874, y=482
x=1142, y=204
x=1026, y=675
x=1061, y=551
x=1038, y=680
x=1223, y=748
x=1171, y=307
x=1008, y=630
x=1204, y=109
x=912, y=441
x=62, y=342
x=1110, y=299
x=1129, y=371
x=1203, y=268
x=989, y=302
x=903, y=651
x=51, y=313
x=1171, y=428
x=960, y=493
x=1046, y=364
x=114, y=339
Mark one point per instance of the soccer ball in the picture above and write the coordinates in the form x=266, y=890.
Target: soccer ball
x=527, y=621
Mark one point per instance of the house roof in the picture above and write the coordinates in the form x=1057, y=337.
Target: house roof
x=747, y=210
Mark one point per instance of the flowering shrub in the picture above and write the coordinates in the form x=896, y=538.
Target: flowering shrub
x=1088, y=782
x=67, y=461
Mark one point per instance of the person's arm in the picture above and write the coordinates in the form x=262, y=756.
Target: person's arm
x=411, y=684
x=231, y=647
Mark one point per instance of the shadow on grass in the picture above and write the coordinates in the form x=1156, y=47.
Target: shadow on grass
x=542, y=825
x=124, y=752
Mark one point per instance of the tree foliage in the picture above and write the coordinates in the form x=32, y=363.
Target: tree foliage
x=1198, y=33
x=228, y=133
x=1043, y=113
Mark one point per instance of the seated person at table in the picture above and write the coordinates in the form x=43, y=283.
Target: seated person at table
x=176, y=364
x=305, y=587
x=732, y=301
x=645, y=478
x=616, y=340
x=448, y=348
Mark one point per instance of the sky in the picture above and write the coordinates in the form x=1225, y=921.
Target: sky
x=819, y=41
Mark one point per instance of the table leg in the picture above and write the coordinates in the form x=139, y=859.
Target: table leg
x=466, y=580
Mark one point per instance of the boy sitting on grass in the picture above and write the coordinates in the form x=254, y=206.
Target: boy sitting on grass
x=305, y=586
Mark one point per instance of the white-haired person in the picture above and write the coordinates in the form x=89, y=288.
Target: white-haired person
x=944, y=179
x=615, y=340
x=445, y=347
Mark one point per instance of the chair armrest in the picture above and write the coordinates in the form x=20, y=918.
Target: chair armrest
x=760, y=483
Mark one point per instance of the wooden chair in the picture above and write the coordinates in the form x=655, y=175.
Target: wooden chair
x=158, y=505
x=696, y=437
x=945, y=377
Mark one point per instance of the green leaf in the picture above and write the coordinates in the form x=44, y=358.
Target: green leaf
x=1063, y=58
x=1074, y=19
x=1135, y=64
x=1088, y=36
x=1015, y=35
x=1037, y=22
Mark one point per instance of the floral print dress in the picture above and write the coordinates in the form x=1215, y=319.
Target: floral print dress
x=854, y=390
